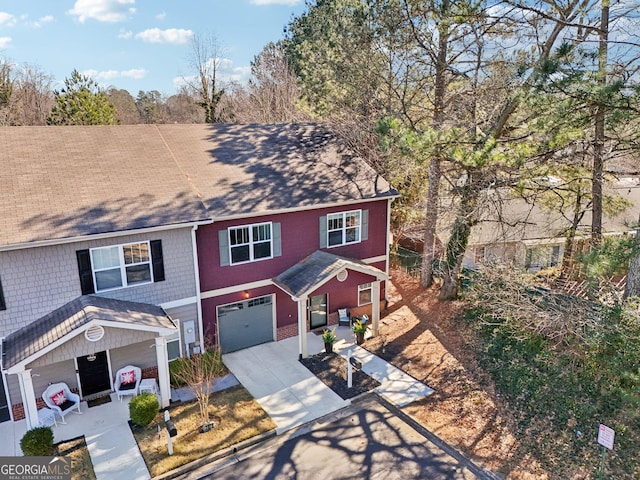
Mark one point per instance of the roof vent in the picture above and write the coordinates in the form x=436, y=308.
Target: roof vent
x=342, y=275
x=94, y=333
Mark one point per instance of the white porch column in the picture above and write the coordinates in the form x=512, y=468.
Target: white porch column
x=302, y=325
x=28, y=398
x=163, y=371
x=375, y=307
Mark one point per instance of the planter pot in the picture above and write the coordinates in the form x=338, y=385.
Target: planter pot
x=328, y=347
x=359, y=338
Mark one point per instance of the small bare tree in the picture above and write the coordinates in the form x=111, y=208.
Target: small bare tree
x=198, y=372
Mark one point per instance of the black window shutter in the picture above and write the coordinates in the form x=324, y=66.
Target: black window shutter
x=157, y=260
x=84, y=269
x=3, y=305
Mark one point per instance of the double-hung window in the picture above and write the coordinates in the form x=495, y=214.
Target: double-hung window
x=250, y=242
x=343, y=228
x=120, y=266
x=365, y=294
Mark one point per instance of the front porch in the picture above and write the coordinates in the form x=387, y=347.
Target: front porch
x=113, y=450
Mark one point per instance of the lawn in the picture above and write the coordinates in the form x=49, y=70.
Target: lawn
x=76, y=449
x=237, y=417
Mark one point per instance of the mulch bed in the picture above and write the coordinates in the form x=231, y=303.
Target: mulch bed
x=331, y=368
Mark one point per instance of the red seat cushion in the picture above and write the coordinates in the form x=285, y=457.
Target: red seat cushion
x=59, y=398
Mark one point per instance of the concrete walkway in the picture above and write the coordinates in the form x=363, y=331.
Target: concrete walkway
x=271, y=372
x=293, y=396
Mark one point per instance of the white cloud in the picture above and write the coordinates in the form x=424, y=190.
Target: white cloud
x=125, y=34
x=7, y=20
x=108, y=75
x=4, y=42
x=102, y=10
x=161, y=16
x=176, y=36
x=289, y=3
x=41, y=21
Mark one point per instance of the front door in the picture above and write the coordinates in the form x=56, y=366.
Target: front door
x=4, y=407
x=93, y=371
x=318, y=311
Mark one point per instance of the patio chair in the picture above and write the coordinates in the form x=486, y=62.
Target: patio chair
x=127, y=381
x=343, y=317
x=61, y=400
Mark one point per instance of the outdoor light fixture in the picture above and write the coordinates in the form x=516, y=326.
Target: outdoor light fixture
x=245, y=294
x=91, y=357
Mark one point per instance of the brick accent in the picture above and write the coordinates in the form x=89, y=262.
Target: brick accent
x=366, y=309
x=150, y=372
x=287, y=332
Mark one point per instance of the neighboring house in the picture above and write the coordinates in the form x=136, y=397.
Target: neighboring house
x=526, y=235
x=136, y=244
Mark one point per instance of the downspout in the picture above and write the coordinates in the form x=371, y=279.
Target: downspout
x=196, y=271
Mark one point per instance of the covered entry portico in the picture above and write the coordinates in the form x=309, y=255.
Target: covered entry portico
x=115, y=332
x=307, y=276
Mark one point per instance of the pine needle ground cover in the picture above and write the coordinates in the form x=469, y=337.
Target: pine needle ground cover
x=237, y=417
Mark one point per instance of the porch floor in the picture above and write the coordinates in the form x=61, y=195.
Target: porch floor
x=113, y=450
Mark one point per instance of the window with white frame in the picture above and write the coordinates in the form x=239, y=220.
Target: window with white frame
x=173, y=343
x=250, y=242
x=365, y=294
x=343, y=228
x=120, y=266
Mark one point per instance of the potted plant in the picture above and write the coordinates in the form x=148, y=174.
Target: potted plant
x=359, y=328
x=329, y=338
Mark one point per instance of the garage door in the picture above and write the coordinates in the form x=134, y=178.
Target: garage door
x=245, y=324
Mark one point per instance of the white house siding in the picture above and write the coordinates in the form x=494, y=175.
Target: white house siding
x=36, y=281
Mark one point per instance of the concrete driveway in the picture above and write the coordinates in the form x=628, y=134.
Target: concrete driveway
x=287, y=390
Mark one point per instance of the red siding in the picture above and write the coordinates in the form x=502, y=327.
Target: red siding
x=300, y=238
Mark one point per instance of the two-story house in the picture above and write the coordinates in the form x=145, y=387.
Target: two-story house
x=97, y=263
x=300, y=228
x=132, y=245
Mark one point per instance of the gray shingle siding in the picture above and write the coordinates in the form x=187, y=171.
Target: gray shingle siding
x=39, y=280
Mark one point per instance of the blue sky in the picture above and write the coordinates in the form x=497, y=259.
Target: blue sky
x=137, y=44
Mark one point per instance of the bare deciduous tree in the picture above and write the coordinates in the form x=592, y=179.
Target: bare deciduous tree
x=206, y=59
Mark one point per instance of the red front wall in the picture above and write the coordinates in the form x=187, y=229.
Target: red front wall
x=300, y=232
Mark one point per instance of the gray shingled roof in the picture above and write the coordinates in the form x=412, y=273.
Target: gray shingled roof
x=247, y=169
x=34, y=337
x=65, y=182
x=319, y=267
x=61, y=182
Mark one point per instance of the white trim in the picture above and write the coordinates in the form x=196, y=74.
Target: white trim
x=179, y=303
x=344, y=227
x=301, y=209
x=235, y=288
x=100, y=236
x=268, y=282
x=250, y=245
x=18, y=367
x=372, y=260
x=124, y=282
x=6, y=390
x=196, y=274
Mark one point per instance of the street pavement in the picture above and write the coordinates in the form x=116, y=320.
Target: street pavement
x=371, y=439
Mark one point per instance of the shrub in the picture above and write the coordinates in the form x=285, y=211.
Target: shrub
x=37, y=442
x=143, y=409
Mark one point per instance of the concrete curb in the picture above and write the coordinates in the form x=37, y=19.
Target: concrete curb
x=245, y=444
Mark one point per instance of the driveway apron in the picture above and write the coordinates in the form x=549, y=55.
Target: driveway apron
x=288, y=391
